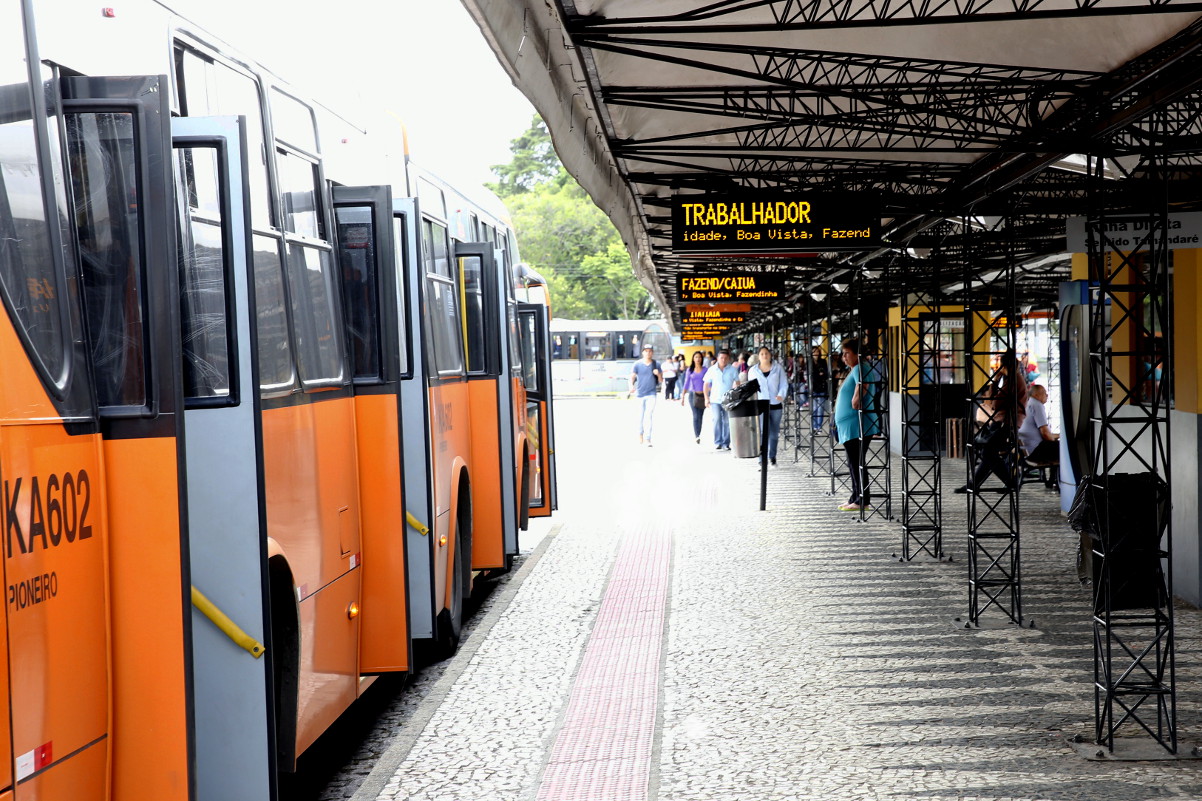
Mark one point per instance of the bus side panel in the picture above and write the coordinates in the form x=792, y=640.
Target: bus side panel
x=148, y=610
x=55, y=560
x=74, y=779
x=6, y=742
x=329, y=680
x=312, y=498
x=520, y=462
x=451, y=437
x=488, y=524
x=384, y=639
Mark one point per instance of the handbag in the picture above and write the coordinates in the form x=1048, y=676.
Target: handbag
x=989, y=435
x=698, y=400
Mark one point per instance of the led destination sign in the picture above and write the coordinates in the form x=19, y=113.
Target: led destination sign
x=774, y=222
x=713, y=317
x=730, y=286
x=725, y=308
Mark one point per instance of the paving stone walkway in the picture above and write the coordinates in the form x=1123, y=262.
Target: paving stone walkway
x=798, y=659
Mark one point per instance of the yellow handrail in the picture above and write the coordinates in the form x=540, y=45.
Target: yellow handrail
x=417, y=524
x=227, y=626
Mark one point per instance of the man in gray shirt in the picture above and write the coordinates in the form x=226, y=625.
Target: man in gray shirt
x=644, y=380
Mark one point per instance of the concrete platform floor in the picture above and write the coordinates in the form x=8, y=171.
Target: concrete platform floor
x=666, y=640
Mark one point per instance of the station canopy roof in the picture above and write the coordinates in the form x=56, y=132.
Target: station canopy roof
x=969, y=122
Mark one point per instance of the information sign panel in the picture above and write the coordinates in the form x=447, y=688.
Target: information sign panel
x=774, y=222
x=725, y=308
x=730, y=286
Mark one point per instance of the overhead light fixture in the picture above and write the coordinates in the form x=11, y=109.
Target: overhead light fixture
x=819, y=296
x=839, y=287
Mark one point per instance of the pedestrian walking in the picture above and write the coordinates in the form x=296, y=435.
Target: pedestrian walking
x=718, y=381
x=668, y=369
x=820, y=377
x=644, y=380
x=774, y=386
x=693, y=383
x=680, y=371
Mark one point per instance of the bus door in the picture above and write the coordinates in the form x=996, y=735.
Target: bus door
x=369, y=241
x=494, y=493
x=540, y=421
x=415, y=421
x=54, y=654
x=117, y=164
x=234, y=755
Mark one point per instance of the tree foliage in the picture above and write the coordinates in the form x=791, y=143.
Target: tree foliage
x=562, y=234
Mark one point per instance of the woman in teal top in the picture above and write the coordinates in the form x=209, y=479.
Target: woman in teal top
x=848, y=404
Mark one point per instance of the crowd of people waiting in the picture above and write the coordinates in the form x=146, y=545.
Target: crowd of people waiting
x=1011, y=406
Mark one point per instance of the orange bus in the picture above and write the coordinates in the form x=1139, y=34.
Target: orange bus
x=222, y=518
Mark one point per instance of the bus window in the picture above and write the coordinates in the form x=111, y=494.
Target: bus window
x=399, y=238
x=209, y=88
x=314, y=317
x=292, y=122
x=441, y=310
x=27, y=258
x=471, y=273
x=103, y=178
x=299, y=190
x=432, y=199
x=203, y=278
x=530, y=364
x=360, y=301
x=275, y=348
x=598, y=346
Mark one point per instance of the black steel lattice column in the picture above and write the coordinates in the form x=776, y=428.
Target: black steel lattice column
x=837, y=466
x=994, y=558
x=922, y=424
x=1134, y=653
x=821, y=423
x=873, y=334
x=802, y=328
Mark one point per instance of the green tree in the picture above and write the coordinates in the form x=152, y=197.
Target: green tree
x=534, y=163
x=563, y=235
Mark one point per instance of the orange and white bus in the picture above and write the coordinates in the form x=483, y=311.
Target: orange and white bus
x=228, y=503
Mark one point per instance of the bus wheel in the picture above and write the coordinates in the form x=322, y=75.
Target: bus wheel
x=524, y=498
x=450, y=621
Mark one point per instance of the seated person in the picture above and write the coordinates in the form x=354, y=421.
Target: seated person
x=1041, y=445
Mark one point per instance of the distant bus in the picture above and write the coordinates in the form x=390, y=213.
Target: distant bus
x=590, y=356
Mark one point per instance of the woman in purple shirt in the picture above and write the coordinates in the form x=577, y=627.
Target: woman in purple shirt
x=694, y=388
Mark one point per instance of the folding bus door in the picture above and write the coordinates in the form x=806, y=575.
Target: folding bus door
x=494, y=513
x=368, y=254
x=540, y=423
x=117, y=138
x=234, y=753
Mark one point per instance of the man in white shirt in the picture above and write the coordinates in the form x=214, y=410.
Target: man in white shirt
x=718, y=381
x=1038, y=441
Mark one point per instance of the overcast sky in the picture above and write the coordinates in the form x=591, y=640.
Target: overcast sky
x=424, y=60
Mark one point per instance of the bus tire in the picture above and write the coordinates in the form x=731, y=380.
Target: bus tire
x=284, y=652
x=524, y=498
x=450, y=621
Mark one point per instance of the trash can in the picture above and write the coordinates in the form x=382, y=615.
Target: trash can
x=745, y=410
x=745, y=434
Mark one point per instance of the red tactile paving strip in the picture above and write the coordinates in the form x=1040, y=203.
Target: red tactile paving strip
x=603, y=750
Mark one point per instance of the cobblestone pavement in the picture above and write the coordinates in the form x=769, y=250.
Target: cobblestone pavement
x=799, y=659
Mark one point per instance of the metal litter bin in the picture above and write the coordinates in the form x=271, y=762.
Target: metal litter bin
x=745, y=423
x=745, y=435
